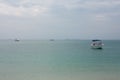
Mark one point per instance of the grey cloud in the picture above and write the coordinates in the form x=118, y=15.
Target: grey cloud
x=48, y=18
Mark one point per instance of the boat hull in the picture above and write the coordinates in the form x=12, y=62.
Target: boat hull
x=96, y=46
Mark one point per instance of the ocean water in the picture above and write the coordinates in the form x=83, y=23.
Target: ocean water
x=59, y=60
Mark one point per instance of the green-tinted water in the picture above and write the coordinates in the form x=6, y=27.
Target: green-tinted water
x=59, y=60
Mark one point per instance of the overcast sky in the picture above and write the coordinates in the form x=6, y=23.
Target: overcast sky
x=60, y=19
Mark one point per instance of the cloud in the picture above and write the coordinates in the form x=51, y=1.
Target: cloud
x=93, y=4
x=23, y=8
x=39, y=7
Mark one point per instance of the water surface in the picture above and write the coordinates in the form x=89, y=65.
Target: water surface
x=59, y=60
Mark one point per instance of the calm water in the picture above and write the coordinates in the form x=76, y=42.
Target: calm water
x=59, y=60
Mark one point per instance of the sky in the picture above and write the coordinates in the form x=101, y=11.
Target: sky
x=60, y=19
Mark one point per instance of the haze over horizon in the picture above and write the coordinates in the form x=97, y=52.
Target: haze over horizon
x=59, y=19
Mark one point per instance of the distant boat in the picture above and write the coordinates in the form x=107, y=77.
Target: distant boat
x=52, y=40
x=97, y=44
x=16, y=40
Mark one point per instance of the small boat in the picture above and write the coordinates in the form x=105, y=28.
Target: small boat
x=97, y=44
x=52, y=40
x=16, y=40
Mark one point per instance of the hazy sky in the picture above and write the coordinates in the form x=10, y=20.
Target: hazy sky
x=60, y=19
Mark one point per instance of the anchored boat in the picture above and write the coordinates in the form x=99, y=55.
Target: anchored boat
x=16, y=40
x=97, y=44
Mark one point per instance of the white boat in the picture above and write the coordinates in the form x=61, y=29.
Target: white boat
x=97, y=44
x=16, y=40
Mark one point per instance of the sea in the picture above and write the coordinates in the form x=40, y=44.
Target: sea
x=59, y=60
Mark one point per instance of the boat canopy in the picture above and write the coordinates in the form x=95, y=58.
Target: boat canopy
x=96, y=40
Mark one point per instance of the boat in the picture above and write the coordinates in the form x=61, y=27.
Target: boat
x=97, y=44
x=52, y=40
x=16, y=40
